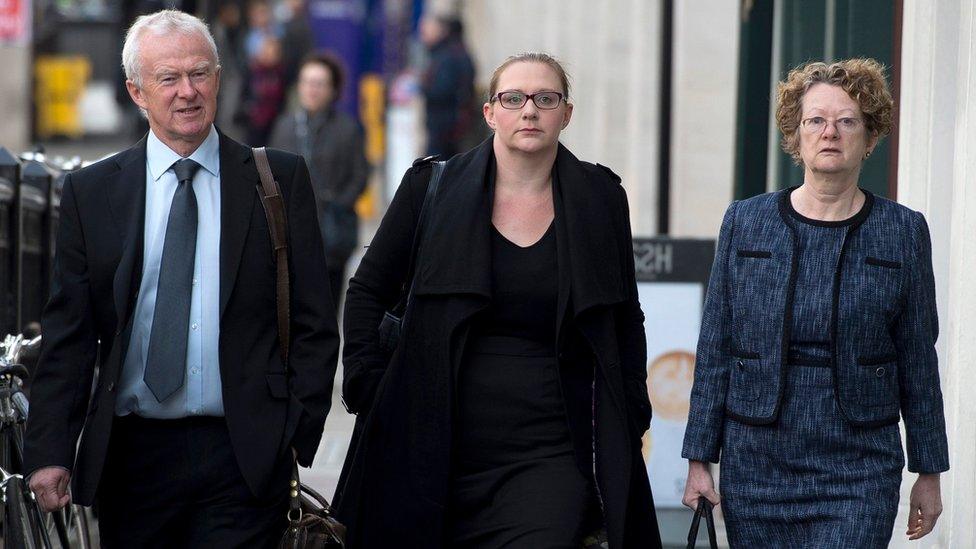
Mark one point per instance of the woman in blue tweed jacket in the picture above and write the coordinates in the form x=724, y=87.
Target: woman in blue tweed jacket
x=819, y=327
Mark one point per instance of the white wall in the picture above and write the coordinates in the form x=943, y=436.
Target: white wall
x=937, y=174
x=705, y=81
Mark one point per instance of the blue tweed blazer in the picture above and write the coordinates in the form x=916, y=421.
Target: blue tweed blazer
x=884, y=326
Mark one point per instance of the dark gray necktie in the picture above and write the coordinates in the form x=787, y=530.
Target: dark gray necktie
x=166, y=363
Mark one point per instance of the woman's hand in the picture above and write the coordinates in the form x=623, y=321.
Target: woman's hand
x=700, y=484
x=926, y=505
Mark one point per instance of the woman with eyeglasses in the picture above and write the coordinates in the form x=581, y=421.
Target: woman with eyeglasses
x=511, y=412
x=819, y=329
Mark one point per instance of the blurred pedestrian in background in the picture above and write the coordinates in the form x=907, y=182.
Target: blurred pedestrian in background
x=447, y=85
x=819, y=326
x=261, y=25
x=332, y=144
x=265, y=92
x=296, y=39
x=497, y=420
x=229, y=32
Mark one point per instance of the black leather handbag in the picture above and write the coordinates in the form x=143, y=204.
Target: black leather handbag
x=704, y=510
x=310, y=521
x=389, y=328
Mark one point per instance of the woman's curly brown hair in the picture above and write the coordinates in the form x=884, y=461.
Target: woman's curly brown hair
x=862, y=79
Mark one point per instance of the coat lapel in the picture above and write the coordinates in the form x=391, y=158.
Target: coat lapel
x=587, y=247
x=127, y=203
x=456, y=251
x=238, y=190
x=455, y=255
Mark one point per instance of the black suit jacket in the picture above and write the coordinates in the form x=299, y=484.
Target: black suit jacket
x=97, y=272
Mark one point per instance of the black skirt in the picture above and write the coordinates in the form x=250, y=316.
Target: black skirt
x=515, y=481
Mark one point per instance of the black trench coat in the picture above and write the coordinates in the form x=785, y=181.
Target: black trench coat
x=395, y=485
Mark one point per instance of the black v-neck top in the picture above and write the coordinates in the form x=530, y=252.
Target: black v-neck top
x=524, y=290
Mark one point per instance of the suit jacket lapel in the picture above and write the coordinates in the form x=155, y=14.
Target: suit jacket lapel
x=238, y=190
x=126, y=192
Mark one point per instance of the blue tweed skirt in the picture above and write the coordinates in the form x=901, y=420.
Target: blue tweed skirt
x=810, y=480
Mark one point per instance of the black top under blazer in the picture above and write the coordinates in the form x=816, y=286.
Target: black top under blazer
x=395, y=485
x=884, y=327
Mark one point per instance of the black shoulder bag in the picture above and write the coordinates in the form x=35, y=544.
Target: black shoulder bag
x=389, y=328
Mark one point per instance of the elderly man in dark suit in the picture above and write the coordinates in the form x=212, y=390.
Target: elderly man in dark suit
x=164, y=275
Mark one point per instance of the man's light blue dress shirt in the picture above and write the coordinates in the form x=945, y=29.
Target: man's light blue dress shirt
x=200, y=394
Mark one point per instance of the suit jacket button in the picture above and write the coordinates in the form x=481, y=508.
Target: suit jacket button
x=111, y=387
x=738, y=364
x=880, y=372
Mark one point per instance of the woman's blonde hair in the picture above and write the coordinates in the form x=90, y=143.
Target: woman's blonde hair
x=863, y=79
x=530, y=57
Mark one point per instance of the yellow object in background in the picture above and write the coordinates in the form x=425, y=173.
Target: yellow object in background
x=372, y=106
x=59, y=83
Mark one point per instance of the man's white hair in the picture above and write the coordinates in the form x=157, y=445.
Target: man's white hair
x=161, y=23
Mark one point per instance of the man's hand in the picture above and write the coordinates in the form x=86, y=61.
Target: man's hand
x=925, y=507
x=50, y=487
x=699, y=484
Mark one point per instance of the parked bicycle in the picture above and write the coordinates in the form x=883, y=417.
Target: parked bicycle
x=24, y=525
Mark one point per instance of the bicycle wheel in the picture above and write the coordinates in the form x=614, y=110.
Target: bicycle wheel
x=71, y=528
x=56, y=528
x=16, y=521
x=84, y=527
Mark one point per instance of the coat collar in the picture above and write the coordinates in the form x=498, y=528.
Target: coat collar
x=455, y=255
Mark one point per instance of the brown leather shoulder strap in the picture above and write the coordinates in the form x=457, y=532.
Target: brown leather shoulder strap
x=274, y=209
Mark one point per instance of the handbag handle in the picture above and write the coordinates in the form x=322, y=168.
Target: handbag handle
x=392, y=321
x=704, y=509
x=274, y=210
x=436, y=170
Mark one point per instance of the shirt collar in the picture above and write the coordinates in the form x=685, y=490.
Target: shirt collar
x=160, y=157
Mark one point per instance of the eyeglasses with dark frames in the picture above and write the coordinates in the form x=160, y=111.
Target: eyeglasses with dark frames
x=514, y=100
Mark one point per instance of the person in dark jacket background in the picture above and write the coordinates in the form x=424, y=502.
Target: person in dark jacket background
x=332, y=144
x=447, y=85
x=819, y=326
x=511, y=412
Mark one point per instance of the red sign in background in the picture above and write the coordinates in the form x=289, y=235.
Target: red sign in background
x=14, y=21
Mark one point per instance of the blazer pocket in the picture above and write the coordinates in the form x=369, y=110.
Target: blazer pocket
x=744, y=383
x=882, y=263
x=877, y=382
x=758, y=254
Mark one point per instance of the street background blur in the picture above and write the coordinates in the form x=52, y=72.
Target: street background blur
x=673, y=95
